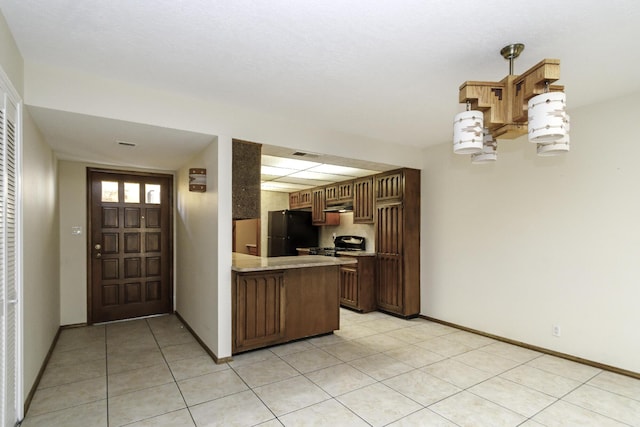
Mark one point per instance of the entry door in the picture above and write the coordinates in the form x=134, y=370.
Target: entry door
x=130, y=245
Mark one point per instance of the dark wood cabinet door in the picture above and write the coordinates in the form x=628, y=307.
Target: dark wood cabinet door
x=300, y=199
x=389, y=229
x=331, y=193
x=318, y=205
x=389, y=289
x=349, y=289
x=294, y=200
x=389, y=187
x=389, y=274
x=363, y=201
x=305, y=199
x=259, y=310
x=345, y=191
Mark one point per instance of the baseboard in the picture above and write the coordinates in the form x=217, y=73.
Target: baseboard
x=204, y=346
x=32, y=392
x=566, y=356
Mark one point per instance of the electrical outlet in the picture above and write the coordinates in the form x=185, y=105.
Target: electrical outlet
x=556, y=330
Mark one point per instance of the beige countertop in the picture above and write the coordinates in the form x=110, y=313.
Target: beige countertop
x=355, y=253
x=247, y=263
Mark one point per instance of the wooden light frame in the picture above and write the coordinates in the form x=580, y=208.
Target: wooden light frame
x=504, y=103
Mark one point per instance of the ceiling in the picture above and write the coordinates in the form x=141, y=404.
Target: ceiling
x=287, y=170
x=384, y=70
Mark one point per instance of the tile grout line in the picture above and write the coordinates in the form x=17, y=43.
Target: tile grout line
x=253, y=391
x=577, y=384
x=172, y=376
x=586, y=383
x=106, y=369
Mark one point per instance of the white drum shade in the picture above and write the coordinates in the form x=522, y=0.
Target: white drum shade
x=554, y=148
x=488, y=153
x=467, y=132
x=547, y=117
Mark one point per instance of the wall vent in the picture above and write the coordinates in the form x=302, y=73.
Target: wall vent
x=126, y=144
x=303, y=154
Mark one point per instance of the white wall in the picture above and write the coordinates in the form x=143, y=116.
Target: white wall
x=10, y=57
x=203, y=234
x=41, y=290
x=72, y=196
x=69, y=90
x=39, y=236
x=515, y=247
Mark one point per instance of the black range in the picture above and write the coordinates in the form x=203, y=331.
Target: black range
x=341, y=244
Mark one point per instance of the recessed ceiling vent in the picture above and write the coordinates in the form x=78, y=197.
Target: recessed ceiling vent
x=126, y=144
x=303, y=154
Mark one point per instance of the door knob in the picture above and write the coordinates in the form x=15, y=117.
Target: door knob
x=97, y=246
x=98, y=255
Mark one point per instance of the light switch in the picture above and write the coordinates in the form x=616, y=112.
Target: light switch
x=76, y=230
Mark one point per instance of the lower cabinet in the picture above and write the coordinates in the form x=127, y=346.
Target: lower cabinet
x=259, y=309
x=357, y=284
x=390, y=289
x=276, y=306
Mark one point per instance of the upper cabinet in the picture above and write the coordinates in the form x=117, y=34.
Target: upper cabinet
x=363, y=201
x=318, y=205
x=389, y=187
x=340, y=193
x=300, y=199
x=245, y=179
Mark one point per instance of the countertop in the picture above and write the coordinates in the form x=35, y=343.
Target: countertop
x=246, y=263
x=355, y=253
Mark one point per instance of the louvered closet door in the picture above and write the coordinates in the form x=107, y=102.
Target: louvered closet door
x=131, y=245
x=8, y=260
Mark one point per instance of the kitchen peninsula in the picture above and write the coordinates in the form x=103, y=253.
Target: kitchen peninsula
x=281, y=299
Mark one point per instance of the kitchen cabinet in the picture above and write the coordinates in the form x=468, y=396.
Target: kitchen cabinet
x=357, y=285
x=275, y=306
x=340, y=193
x=398, y=242
x=300, y=199
x=390, y=187
x=363, y=212
x=259, y=309
x=318, y=206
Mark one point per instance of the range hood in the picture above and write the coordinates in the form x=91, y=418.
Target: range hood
x=340, y=208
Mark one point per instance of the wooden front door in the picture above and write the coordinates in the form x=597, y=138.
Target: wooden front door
x=130, y=245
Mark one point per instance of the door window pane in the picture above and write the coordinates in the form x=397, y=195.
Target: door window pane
x=152, y=193
x=110, y=191
x=131, y=192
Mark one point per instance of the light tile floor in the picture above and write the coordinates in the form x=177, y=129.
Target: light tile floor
x=376, y=371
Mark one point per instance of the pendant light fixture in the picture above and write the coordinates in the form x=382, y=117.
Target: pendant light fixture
x=518, y=104
x=489, y=149
x=467, y=132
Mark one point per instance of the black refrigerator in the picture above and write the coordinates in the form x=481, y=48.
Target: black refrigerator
x=289, y=230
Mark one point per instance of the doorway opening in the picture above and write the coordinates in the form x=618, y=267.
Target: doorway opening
x=130, y=244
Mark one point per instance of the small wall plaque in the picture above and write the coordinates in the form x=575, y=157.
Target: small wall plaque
x=198, y=180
